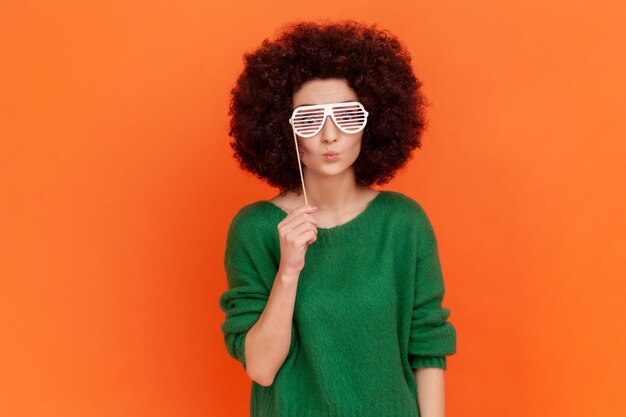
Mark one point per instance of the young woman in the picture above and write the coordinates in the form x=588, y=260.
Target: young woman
x=334, y=305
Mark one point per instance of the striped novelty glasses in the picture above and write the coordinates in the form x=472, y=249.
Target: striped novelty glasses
x=349, y=117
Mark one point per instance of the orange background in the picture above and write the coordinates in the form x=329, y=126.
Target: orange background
x=117, y=186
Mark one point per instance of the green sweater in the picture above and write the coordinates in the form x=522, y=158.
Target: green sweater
x=367, y=311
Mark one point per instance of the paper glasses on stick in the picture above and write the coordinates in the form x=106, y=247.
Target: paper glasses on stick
x=307, y=121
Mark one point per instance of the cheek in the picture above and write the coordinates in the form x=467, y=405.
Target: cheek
x=304, y=147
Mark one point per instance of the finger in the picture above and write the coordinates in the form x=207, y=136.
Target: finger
x=307, y=238
x=295, y=212
x=303, y=228
x=303, y=209
x=313, y=239
x=310, y=217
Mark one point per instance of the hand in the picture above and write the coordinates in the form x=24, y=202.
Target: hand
x=296, y=232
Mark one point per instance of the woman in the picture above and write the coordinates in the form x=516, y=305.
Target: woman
x=358, y=329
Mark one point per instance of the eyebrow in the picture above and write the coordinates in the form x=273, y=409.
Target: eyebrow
x=315, y=104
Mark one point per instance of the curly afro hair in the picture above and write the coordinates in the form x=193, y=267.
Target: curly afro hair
x=376, y=66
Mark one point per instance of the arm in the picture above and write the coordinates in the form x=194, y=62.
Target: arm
x=268, y=341
x=432, y=336
x=430, y=391
x=258, y=328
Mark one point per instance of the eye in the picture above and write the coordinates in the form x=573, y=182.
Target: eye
x=309, y=120
x=347, y=117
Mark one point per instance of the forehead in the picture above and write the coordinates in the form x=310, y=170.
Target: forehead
x=324, y=91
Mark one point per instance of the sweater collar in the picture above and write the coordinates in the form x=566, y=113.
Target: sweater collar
x=341, y=232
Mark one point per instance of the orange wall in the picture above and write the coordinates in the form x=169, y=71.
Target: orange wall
x=117, y=186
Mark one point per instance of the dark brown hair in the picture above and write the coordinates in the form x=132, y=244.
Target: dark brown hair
x=376, y=66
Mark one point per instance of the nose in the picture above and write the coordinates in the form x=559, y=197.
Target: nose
x=329, y=130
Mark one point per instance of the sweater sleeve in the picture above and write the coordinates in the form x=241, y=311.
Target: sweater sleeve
x=246, y=296
x=432, y=336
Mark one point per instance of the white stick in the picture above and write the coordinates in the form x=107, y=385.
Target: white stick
x=300, y=166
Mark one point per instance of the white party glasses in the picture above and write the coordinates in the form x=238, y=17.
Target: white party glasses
x=349, y=117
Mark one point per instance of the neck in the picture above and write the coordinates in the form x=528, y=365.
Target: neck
x=331, y=193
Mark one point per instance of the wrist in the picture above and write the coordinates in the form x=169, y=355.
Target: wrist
x=288, y=274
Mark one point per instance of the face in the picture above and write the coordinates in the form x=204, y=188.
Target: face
x=330, y=138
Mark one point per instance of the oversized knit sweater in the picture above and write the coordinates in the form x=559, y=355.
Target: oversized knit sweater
x=368, y=310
